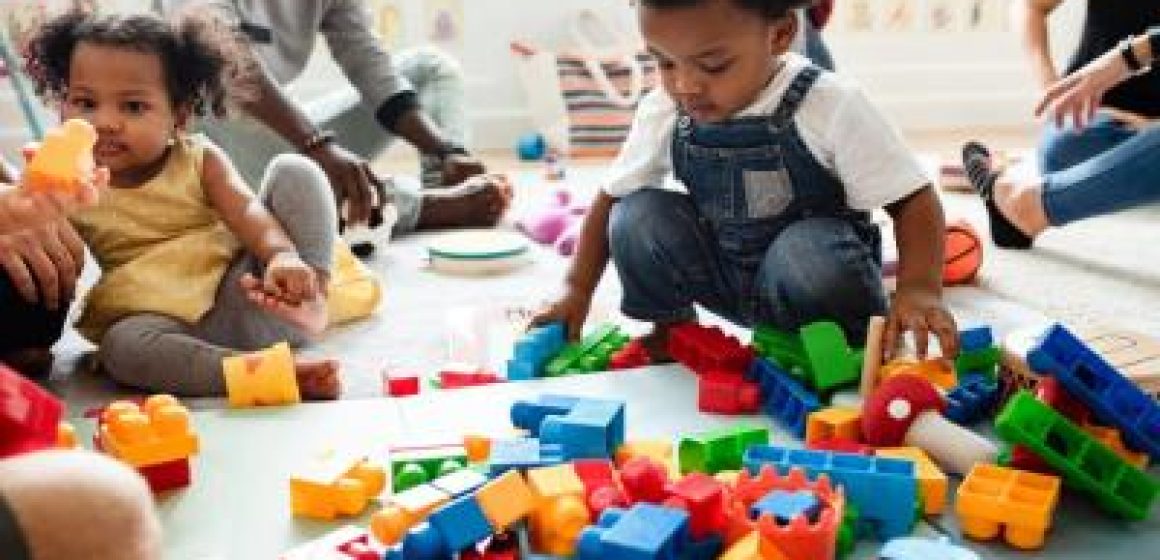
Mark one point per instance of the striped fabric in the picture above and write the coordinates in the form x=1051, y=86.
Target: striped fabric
x=596, y=125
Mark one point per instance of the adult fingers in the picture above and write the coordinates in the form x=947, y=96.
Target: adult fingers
x=65, y=262
x=20, y=277
x=45, y=273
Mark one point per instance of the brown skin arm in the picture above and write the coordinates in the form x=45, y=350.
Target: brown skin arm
x=585, y=271
x=917, y=306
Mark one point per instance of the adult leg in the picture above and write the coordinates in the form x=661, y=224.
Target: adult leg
x=1060, y=149
x=823, y=269
x=1120, y=178
x=27, y=331
x=75, y=504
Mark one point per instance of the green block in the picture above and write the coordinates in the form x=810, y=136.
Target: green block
x=590, y=354
x=832, y=362
x=783, y=348
x=985, y=361
x=410, y=471
x=1086, y=464
x=719, y=450
x=848, y=530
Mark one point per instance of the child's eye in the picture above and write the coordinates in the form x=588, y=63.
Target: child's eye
x=83, y=103
x=136, y=107
x=717, y=68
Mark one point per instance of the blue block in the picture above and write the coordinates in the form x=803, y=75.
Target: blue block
x=1114, y=399
x=784, y=398
x=971, y=400
x=522, y=454
x=914, y=548
x=884, y=490
x=461, y=523
x=422, y=542
x=534, y=351
x=583, y=428
x=977, y=338
x=708, y=548
x=645, y=532
x=785, y=506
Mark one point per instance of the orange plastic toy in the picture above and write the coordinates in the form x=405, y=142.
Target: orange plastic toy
x=157, y=432
x=962, y=254
x=64, y=161
x=801, y=538
x=335, y=484
x=1020, y=502
x=264, y=378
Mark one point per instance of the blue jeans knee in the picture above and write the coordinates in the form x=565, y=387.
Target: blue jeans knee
x=1062, y=148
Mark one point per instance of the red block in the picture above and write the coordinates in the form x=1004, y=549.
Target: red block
x=29, y=415
x=704, y=349
x=644, y=480
x=359, y=548
x=603, y=498
x=704, y=498
x=163, y=477
x=594, y=473
x=1051, y=393
x=721, y=392
x=460, y=379
x=840, y=445
x=402, y=386
x=633, y=355
x=504, y=546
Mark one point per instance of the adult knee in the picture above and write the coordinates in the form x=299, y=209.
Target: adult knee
x=426, y=65
x=72, y=504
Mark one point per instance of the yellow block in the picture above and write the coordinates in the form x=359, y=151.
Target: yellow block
x=263, y=378
x=834, y=422
x=157, y=432
x=506, y=500
x=64, y=161
x=931, y=479
x=660, y=451
x=939, y=371
x=335, y=484
x=749, y=548
x=354, y=291
x=555, y=481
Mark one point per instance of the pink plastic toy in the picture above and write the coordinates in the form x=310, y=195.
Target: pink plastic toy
x=557, y=224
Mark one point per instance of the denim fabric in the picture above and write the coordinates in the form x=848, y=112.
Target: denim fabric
x=763, y=236
x=1120, y=176
x=1060, y=149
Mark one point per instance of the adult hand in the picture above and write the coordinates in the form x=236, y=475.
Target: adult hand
x=357, y=189
x=43, y=262
x=922, y=312
x=457, y=168
x=1079, y=94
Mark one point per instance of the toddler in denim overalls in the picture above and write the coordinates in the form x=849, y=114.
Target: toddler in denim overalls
x=746, y=187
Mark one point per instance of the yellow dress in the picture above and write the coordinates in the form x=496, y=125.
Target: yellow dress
x=161, y=246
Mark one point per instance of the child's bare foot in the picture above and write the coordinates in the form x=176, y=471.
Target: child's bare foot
x=477, y=202
x=318, y=380
x=310, y=316
x=656, y=343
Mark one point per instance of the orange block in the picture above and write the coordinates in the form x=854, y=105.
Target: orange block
x=506, y=500
x=555, y=525
x=660, y=451
x=931, y=480
x=263, y=378
x=335, y=484
x=834, y=422
x=477, y=448
x=994, y=497
x=405, y=510
x=555, y=481
x=157, y=432
x=66, y=436
x=939, y=371
x=1111, y=438
x=64, y=161
x=749, y=548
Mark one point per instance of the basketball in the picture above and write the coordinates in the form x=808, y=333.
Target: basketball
x=963, y=254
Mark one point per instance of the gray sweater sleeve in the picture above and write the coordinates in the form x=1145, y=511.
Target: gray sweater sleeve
x=360, y=53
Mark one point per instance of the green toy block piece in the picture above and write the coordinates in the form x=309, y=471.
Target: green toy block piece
x=985, y=361
x=848, y=530
x=1086, y=464
x=718, y=450
x=783, y=348
x=415, y=469
x=590, y=354
x=832, y=363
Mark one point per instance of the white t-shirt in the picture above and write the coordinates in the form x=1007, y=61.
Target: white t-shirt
x=845, y=133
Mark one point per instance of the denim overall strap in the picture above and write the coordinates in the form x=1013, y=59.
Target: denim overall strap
x=795, y=95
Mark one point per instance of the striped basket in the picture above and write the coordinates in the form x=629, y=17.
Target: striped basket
x=599, y=122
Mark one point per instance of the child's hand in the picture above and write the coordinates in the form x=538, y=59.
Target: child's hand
x=289, y=279
x=921, y=312
x=571, y=310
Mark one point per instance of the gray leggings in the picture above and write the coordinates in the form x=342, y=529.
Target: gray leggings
x=161, y=354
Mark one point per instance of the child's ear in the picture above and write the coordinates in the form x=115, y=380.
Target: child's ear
x=182, y=118
x=782, y=33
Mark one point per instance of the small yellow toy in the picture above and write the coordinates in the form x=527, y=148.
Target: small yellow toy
x=264, y=378
x=64, y=161
x=335, y=484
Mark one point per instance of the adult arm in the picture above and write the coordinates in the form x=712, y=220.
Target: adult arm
x=1079, y=95
x=1029, y=18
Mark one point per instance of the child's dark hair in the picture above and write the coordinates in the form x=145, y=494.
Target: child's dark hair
x=201, y=57
x=769, y=9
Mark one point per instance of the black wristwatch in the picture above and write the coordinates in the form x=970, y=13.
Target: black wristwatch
x=450, y=149
x=1130, y=59
x=1153, y=34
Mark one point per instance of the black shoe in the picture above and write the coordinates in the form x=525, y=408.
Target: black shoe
x=977, y=163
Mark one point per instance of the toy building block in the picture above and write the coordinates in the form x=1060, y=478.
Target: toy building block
x=1113, y=398
x=1086, y=464
x=477, y=448
x=158, y=431
x=914, y=548
x=907, y=409
x=786, y=400
x=170, y=475
x=1019, y=502
x=30, y=417
x=976, y=338
x=872, y=356
x=938, y=371
x=645, y=532
x=66, y=436
x=334, y=484
x=660, y=451
x=802, y=536
x=718, y=450
x=885, y=490
x=1111, y=438
x=931, y=480
x=64, y=161
x=708, y=548
x=704, y=349
x=644, y=481
x=422, y=542
x=785, y=349
x=590, y=354
x=400, y=385
x=459, y=482
x=346, y=543
x=583, y=428
x=522, y=453
x=601, y=485
x=971, y=400
x=506, y=500
x=1051, y=393
x=705, y=498
x=501, y=546
x=554, y=481
x=263, y=378
x=459, y=376
x=834, y=422
x=461, y=523
x=405, y=510
x=720, y=392
x=784, y=505
x=840, y=445
x=832, y=362
x=560, y=512
x=534, y=350
x=411, y=468
x=633, y=355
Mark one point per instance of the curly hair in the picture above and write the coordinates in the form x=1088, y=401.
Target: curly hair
x=203, y=59
x=769, y=9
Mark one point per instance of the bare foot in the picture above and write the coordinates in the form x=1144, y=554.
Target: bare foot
x=656, y=343
x=318, y=380
x=310, y=316
x=477, y=202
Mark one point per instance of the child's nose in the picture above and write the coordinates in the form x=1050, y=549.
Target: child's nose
x=105, y=120
x=686, y=83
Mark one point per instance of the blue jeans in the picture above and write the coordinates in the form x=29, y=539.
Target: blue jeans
x=816, y=268
x=1106, y=168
